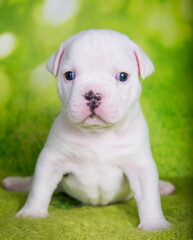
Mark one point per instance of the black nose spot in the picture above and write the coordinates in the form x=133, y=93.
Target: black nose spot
x=89, y=95
x=93, y=100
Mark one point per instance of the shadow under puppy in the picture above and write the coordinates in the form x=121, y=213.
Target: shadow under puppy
x=98, y=149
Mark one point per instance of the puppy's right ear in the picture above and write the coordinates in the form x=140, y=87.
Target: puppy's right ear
x=54, y=61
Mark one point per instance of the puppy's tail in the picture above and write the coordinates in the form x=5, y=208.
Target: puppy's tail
x=166, y=188
x=17, y=184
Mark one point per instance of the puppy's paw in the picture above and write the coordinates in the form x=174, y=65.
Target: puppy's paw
x=154, y=225
x=9, y=183
x=166, y=188
x=17, y=184
x=31, y=213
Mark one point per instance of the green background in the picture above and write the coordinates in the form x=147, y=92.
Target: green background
x=29, y=104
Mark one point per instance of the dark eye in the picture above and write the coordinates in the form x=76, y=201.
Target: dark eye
x=69, y=76
x=122, y=76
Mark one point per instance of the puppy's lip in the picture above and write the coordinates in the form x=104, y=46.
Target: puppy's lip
x=94, y=115
x=101, y=125
x=97, y=124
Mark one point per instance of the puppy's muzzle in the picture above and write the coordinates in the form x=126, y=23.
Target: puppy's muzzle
x=93, y=100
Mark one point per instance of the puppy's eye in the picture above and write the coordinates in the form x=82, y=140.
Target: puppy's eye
x=122, y=76
x=69, y=76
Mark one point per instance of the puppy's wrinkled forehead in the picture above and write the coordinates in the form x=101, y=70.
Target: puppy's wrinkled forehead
x=96, y=50
x=100, y=49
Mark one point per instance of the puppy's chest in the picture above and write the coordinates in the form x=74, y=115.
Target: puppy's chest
x=98, y=152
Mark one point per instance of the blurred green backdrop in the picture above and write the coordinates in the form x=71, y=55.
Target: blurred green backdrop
x=30, y=31
x=28, y=97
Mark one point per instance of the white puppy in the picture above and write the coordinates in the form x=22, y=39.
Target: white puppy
x=98, y=149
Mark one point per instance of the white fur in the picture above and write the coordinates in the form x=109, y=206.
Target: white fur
x=107, y=157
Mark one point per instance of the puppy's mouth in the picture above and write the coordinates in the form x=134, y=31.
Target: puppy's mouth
x=92, y=115
x=94, y=121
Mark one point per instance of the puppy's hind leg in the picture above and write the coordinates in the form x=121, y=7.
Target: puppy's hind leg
x=166, y=188
x=17, y=184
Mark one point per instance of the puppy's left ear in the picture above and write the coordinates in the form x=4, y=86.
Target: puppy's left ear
x=145, y=65
x=54, y=61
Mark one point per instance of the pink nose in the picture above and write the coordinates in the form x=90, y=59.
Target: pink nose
x=93, y=100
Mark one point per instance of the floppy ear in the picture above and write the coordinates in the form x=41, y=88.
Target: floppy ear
x=54, y=61
x=145, y=65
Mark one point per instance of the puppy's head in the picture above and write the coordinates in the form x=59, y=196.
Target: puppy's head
x=98, y=77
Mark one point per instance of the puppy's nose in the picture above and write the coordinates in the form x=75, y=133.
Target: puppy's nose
x=93, y=99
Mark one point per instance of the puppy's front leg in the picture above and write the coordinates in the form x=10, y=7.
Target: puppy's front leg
x=47, y=175
x=144, y=184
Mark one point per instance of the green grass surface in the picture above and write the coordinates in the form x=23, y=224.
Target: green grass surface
x=71, y=220
x=29, y=104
